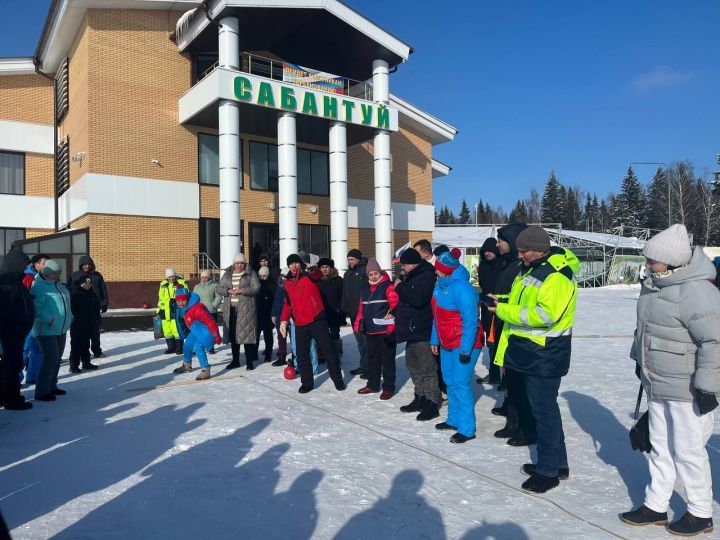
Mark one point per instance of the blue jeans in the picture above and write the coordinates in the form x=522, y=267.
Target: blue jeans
x=193, y=344
x=32, y=358
x=52, y=348
x=461, y=400
x=542, y=394
x=313, y=350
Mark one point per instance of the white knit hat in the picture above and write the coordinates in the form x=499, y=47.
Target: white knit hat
x=264, y=271
x=671, y=246
x=239, y=258
x=205, y=273
x=168, y=272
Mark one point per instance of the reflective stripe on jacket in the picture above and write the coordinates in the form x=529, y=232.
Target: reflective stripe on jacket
x=539, y=316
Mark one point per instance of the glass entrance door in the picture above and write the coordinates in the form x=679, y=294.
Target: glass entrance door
x=265, y=238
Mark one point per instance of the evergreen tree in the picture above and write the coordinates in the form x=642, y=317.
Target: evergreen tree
x=587, y=212
x=630, y=203
x=452, y=219
x=464, y=216
x=604, y=215
x=551, y=206
x=519, y=214
x=595, y=217
x=572, y=214
x=443, y=216
x=656, y=207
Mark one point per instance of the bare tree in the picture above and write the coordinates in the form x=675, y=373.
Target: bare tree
x=684, y=196
x=708, y=207
x=533, y=206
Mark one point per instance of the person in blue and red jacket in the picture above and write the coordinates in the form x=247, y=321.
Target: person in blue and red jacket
x=304, y=303
x=378, y=300
x=199, y=330
x=458, y=336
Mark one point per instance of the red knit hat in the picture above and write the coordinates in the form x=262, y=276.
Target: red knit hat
x=448, y=261
x=181, y=293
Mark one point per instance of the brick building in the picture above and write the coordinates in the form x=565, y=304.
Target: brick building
x=154, y=132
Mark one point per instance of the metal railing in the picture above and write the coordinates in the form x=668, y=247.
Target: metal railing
x=202, y=261
x=274, y=69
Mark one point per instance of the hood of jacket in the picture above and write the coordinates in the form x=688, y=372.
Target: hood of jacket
x=86, y=259
x=15, y=262
x=509, y=233
x=192, y=300
x=331, y=275
x=699, y=268
x=490, y=244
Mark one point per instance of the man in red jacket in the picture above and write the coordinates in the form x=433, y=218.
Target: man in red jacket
x=304, y=304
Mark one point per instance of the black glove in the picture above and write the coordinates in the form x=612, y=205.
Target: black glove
x=706, y=401
x=464, y=358
x=638, y=371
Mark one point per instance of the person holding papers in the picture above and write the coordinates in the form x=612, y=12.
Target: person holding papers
x=376, y=320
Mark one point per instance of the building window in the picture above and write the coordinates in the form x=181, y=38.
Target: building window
x=312, y=172
x=314, y=239
x=210, y=238
x=65, y=248
x=263, y=166
x=203, y=65
x=209, y=159
x=62, y=167
x=62, y=93
x=312, y=169
x=7, y=238
x=12, y=173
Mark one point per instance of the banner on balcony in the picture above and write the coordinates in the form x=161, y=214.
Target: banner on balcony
x=311, y=78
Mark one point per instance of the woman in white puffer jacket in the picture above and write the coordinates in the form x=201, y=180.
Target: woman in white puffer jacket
x=677, y=350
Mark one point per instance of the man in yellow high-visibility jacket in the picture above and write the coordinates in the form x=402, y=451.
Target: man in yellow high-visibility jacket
x=539, y=314
x=166, y=308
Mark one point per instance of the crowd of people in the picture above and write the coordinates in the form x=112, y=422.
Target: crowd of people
x=524, y=314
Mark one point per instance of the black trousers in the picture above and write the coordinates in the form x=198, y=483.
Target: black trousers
x=265, y=327
x=12, y=339
x=95, y=338
x=318, y=330
x=519, y=411
x=381, y=361
x=80, y=339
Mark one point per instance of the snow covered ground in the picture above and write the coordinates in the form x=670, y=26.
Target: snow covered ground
x=245, y=456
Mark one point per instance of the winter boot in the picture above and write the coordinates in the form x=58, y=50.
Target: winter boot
x=459, y=438
x=415, y=405
x=17, y=405
x=89, y=365
x=203, y=375
x=170, y=346
x=500, y=411
x=510, y=431
x=429, y=411
x=529, y=469
x=185, y=367
x=521, y=440
x=644, y=516
x=279, y=362
x=539, y=483
x=690, y=525
x=178, y=346
x=444, y=426
x=74, y=365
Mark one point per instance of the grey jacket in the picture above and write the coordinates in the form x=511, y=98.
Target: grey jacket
x=677, y=339
x=208, y=295
x=245, y=323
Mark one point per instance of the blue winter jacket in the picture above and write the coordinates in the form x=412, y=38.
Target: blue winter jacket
x=279, y=300
x=53, y=315
x=455, y=294
x=198, y=329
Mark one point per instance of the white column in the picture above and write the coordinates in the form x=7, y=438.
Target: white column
x=287, y=185
x=338, y=196
x=229, y=148
x=381, y=155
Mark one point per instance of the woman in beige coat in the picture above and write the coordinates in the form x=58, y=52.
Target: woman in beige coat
x=239, y=286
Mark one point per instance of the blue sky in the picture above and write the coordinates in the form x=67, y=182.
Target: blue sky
x=580, y=87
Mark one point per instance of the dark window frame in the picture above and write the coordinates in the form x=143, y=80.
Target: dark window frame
x=3, y=230
x=242, y=160
x=316, y=225
x=269, y=188
x=277, y=179
x=24, y=172
x=195, y=58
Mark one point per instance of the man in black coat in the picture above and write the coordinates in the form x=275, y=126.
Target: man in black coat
x=331, y=291
x=17, y=315
x=413, y=325
x=520, y=427
x=86, y=318
x=263, y=308
x=355, y=277
x=87, y=266
x=488, y=271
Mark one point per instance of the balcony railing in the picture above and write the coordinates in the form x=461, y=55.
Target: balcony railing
x=283, y=71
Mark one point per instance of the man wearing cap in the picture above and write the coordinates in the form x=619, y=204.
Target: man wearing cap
x=331, y=289
x=536, y=341
x=413, y=324
x=353, y=280
x=677, y=351
x=304, y=303
x=166, y=310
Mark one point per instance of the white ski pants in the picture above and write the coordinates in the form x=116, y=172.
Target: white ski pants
x=678, y=434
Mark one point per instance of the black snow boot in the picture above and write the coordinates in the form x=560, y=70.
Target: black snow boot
x=539, y=483
x=644, y=516
x=89, y=365
x=500, y=411
x=279, y=362
x=459, y=438
x=521, y=440
x=444, y=426
x=415, y=405
x=690, y=525
x=170, y=346
x=429, y=411
x=510, y=431
x=178, y=346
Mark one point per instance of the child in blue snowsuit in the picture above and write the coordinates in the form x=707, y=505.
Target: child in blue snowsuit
x=458, y=336
x=199, y=330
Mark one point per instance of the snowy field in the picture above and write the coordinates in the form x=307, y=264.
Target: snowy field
x=245, y=456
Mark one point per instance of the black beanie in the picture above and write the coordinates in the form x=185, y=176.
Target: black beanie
x=293, y=258
x=442, y=248
x=355, y=253
x=410, y=256
x=325, y=261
